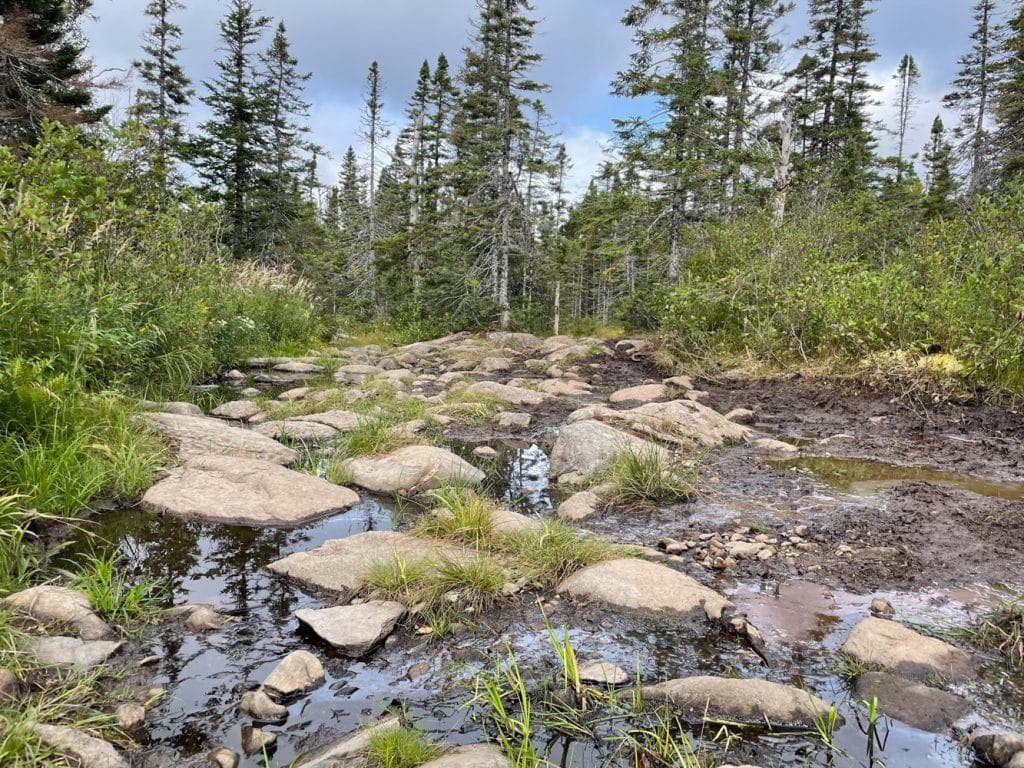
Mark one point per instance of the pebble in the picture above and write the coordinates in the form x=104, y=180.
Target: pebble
x=223, y=758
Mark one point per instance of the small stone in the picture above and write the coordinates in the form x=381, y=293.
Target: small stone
x=579, y=506
x=291, y=395
x=485, y=452
x=417, y=670
x=223, y=758
x=204, y=618
x=234, y=375
x=603, y=673
x=741, y=416
x=260, y=707
x=295, y=674
x=10, y=686
x=237, y=410
x=130, y=716
x=511, y=420
x=256, y=739
x=882, y=608
x=998, y=748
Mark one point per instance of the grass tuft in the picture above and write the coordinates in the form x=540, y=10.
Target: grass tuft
x=462, y=515
x=477, y=582
x=112, y=595
x=646, y=478
x=554, y=550
x=401, y=748
x=1002, y=630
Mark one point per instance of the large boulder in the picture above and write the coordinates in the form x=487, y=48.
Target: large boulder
x=59, y=605
x=200, y=436
x=917, y=705
x=639, y=585
x=87, y=751
x=413, y=468
x=354, y=630
x=586, y=447
x=751, y=702
x=884, y=644
x=297, y=673
x=341, y=566
x=234, y=491
x=677, y=422
x=517, y=396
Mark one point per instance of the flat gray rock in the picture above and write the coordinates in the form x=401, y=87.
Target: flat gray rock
x=588, y=446
x=751, y=702
x=89, y=751
x=470, y=756
x=297, y=366
x=511, y=420
x=564, y=388
x=52, y=604
x=345, y=752
x=340, y=566
x=580, y=506
x=677, y=422
x=413, y=468
x=917, y=705
x=237, y=410
x=173, y=406
x=354, y=630
x=236, y=491
x=201, y=436
x=355, y=372
x=299, y=430
x=70, y=652
x=886, y=645
x=638, y=585
x=506, y=394
x=645, y=393
x=295, y=674
x=603, y=673
x=342, y=421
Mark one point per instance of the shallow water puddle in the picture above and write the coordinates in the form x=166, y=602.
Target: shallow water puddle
x=865, y=477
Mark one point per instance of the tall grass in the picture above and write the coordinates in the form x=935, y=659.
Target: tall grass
x=648, y=477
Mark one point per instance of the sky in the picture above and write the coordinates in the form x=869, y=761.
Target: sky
x=582, y=42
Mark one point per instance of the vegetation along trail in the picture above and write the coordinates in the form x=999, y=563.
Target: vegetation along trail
x=712, y=458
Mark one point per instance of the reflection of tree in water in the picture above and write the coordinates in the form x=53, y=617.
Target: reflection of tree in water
x=522, y=472
x=236, y=558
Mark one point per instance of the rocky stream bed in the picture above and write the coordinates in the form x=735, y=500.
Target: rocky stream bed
x=836, y=540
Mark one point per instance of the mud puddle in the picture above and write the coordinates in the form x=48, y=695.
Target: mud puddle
x=864, y=477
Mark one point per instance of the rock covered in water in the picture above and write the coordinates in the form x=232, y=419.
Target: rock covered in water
x=297, y=673
x=917, y=705
x=52, y=604
x=256, y=740
x=639, y=585
x=751, y=701
x=232, y=490
x=354, y=630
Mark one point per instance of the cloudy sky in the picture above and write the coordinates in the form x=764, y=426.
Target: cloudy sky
x=582, y=41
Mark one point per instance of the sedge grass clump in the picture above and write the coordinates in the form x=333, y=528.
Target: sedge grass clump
x=111, y=594
x=1002, y=630
x=461, y=515
x=648, y=477
x=477, y=581
x=407, y=581
x=403, y=747
x=373, y=436
x=553, y=550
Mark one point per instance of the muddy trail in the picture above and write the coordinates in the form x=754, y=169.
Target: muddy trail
x=836, y=544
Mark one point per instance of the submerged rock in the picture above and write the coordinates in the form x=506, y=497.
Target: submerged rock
x=223, y=758
x=259, y=706
x=586, y=447
x=413, y=468
x=883, y=644
x=639, y=585
x=295, y=674
x=350, y=747
x=256, y=739
x=201, y=436
x=52, y=604
x=70, y=652
x=340, y=566
x=354, y=630
x=230, y=490
x=752, y=702
x=917, y=705
x=89, y=751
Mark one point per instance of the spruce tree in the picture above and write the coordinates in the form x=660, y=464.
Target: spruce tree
x=906, y=77
x=160, y=104
x=42, y=73
x=673, y=64
x=973, y=93
x=940, y=184
x=232, y=144
x=374, y=131
x=1010, y=100
x=837, y=128
x=286, y=167
x=490, y=132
